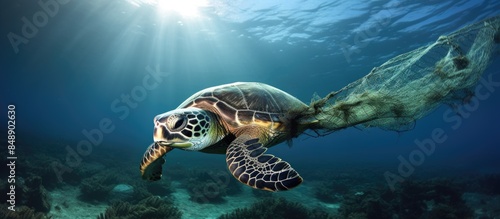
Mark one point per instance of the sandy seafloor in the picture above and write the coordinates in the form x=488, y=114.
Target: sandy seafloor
x=72, y=207
x=358, y=181
x=77, y=209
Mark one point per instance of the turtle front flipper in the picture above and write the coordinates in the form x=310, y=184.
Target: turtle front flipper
x=152, y=161
x=247, y=162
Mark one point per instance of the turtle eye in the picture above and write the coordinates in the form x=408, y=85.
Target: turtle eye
x=177, y=122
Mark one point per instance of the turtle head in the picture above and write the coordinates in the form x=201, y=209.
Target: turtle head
x=188, y=128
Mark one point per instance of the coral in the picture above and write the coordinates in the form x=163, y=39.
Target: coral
x=409, y=199
x=364, y=205
x=97, y=187
x=488, y=184
x=36, y=195
x=444, y=211
x=46, y=159
x=485, y=206
x=29, y=193
x=144, y=189
x=89, y=169
x=336, y=184
x=427, y=199
x=436, y=198
x=211, y=186
x=331, y=191
x=272, y=208
x=152, y=207
x=21, y=212
x=140, y=193
x=206, y=192
x=497, y=37
x=42, y=165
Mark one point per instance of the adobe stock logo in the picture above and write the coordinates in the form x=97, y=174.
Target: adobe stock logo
x=30, y=27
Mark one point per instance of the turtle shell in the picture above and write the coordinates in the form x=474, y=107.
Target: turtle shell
x=248, y=103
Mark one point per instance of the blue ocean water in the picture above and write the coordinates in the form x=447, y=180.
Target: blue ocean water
x=77, y=67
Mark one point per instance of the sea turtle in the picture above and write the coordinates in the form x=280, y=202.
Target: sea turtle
x=239, y=119
x=243, y=119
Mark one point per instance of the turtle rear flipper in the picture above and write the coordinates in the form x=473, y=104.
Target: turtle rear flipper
x=152, y=161
x=247, y=162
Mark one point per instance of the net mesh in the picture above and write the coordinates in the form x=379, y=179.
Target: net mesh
x=409, y=86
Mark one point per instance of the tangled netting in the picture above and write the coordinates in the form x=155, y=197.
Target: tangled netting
x=409, y=86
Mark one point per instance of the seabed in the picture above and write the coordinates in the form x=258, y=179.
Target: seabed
x=108, y=185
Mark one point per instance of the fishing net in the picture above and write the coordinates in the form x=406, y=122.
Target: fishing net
x=409, y=86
